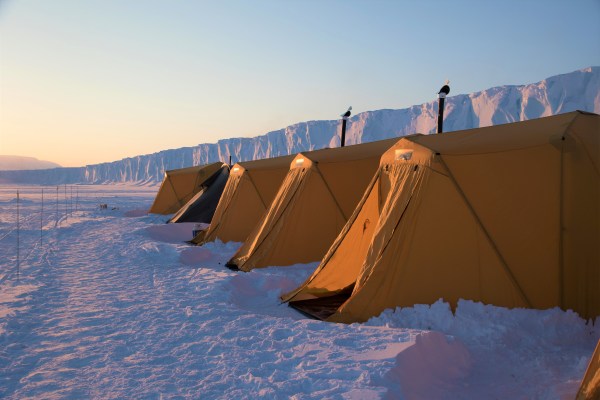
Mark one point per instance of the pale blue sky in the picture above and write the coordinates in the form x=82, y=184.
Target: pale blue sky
x=83, y=82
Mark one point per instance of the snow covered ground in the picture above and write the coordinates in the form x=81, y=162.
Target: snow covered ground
x=111, y=303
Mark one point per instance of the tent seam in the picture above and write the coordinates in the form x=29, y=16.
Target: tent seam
x=568, y=131
x=258, y=245
x=336, y=244
x=257, y=191
x=496, y=152
x=331, y=192
x=384, y=248
x=492, y=242
x=561, y=272
x=223, y=213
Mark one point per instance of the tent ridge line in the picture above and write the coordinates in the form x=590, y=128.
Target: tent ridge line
x=487, y=234
x=561, y=270
x=331, y=193
x=358, y=287
x=226, y=207
x=210, y=228
x=492, y=152
x=585, y=150
x=179, y=202
x=570, y=132
x=408, y=201
x=561, y=266
x=340, y=161
x=354, y=215
x=258, y=245
x=257, y=191
x=337, y=243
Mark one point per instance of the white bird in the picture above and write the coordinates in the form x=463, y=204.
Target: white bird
x=347, y=113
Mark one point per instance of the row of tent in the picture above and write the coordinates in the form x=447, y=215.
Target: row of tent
x=507, y=215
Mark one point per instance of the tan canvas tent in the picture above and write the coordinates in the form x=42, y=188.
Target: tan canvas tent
x=316, y=198
x=251, y=187
x=590, y=385
x=507, y=215
x=179, y=186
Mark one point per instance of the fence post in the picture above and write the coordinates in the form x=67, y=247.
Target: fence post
x=18, y=244
x=56, y=207
x=42, y=221
x=66, y=204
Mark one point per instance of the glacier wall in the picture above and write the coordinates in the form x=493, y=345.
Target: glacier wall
x=579, y=90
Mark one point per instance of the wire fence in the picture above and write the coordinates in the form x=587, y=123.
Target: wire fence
x=26, y=212
x=33, y=218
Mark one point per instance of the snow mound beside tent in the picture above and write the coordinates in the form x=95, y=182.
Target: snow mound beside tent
x=432, y=368
x=508, y=348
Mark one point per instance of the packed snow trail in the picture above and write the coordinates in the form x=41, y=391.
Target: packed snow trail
x=116, y=315
x=115, y=305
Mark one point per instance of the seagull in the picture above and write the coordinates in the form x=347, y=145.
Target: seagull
x=347, y=113
x=445, y=89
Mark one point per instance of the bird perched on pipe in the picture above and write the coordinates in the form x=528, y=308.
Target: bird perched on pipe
x=444, y=90
x=347, y=113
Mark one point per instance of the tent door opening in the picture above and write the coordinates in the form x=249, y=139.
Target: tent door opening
x=323, y=307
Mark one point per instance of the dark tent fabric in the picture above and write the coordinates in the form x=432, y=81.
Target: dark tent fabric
x=179, y=186
x=202, y=206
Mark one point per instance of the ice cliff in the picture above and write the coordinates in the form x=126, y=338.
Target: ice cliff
x=579, y=90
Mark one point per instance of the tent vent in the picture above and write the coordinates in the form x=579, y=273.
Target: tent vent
x=403, y=154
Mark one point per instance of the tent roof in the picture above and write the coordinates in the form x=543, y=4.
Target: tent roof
x=194, y=169
x=499, y=138
x=349, y=153
x=266, y=163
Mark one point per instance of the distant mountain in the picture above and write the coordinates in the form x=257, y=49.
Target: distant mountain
x=11, y=163
x=579, y=90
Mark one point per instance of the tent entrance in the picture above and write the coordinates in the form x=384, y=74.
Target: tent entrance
x=323, y=307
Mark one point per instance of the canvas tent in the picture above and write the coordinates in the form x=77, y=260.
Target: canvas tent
x=251, y=187
x=319, y=193
x=507, y=215
x=201, y=207
x=590, y=385
x=179, y=186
